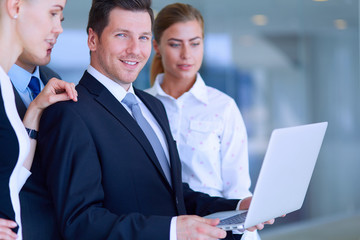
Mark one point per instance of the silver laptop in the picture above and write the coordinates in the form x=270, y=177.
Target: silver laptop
x=284, y=177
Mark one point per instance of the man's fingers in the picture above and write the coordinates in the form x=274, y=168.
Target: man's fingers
x=195, y=227
x=212, y=222
x=210, y=230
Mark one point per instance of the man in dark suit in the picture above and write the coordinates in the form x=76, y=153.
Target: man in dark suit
x=30, y=65
x=106, y=178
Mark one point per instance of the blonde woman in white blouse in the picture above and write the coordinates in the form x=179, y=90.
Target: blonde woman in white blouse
x=30, y=25
x=206, y=123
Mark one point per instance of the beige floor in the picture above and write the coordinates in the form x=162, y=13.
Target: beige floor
x=338, y=228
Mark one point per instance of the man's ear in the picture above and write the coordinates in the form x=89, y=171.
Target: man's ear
x=13, y=8
x=92, y=40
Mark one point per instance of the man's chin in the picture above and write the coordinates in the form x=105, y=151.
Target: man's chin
x=43, y=61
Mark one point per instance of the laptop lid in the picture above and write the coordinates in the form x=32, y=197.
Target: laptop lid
x=286, y=172
x=284, y=176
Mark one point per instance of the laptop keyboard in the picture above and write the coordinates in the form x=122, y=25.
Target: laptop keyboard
x=238, y=218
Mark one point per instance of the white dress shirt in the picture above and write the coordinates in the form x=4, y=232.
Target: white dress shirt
x=21, y=79
x=20, y=173
x=211, y=139
x=119, y=93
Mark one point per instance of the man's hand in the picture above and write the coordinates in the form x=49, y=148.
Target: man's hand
x=244, y=205
x=5, y=230
x=194, y=227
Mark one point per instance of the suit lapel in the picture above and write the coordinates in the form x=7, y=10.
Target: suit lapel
x=164, y=124
x=116, y=109
x=158, y=111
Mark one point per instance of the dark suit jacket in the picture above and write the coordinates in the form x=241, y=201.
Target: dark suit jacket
x=45, y=75
x=37, y=217
x=104, y=178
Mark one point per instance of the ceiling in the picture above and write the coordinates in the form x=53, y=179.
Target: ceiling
x=235, y=15
x=229, y=22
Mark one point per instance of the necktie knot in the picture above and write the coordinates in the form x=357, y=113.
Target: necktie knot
x=34, y=86
x=130, y=100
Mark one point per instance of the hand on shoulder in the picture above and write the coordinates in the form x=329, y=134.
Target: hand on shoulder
x=55, y=91
x=5, y=229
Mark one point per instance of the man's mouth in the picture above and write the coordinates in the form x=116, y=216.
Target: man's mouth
x=132, y=63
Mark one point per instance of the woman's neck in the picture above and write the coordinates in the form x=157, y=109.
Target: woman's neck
x=176, y=87
x=9, y=48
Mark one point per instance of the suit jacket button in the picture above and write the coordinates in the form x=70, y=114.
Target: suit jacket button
x=177, y=201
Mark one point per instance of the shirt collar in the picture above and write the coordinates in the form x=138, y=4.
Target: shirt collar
x=115, y=89
x=20, y=78
x=198, y=90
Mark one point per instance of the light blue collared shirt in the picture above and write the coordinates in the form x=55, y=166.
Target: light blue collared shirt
x=20, y=78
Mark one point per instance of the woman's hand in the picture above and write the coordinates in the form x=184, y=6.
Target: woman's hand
x=5, y=230
x=55, y=91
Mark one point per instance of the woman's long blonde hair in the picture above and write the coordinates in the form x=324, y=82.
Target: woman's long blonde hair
x=169, y=15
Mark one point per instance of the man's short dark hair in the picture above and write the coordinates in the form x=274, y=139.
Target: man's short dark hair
x=100, y=11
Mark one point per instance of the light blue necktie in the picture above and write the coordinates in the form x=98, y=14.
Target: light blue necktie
x=133, y=104
x=34, y=86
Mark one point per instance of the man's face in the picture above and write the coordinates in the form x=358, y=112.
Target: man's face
x=124, y=46
x=38, y=41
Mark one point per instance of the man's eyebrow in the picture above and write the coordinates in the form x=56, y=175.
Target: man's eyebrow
x=147, y=33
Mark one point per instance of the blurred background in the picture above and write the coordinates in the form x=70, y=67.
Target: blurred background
x=285, y=62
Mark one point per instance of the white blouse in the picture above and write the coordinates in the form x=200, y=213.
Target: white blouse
x=211, y=139
x=20, y=173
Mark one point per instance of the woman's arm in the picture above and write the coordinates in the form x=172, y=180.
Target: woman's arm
x=55, y=91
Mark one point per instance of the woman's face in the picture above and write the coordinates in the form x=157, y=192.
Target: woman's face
x=181, y=49
x=39, y=25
